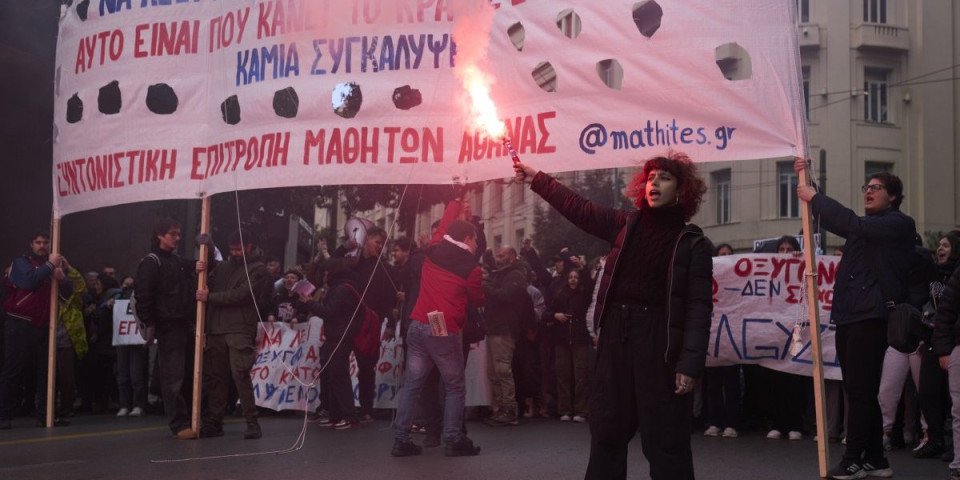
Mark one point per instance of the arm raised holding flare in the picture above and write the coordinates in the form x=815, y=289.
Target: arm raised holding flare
x=654, y=317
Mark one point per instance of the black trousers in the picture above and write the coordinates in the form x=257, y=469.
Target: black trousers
x=366, y=380
x=24, y=354
x=861, y=347
x=633, y=390
x=722, y=386
x=933, y=394
x=336, y=388
x=175, y=340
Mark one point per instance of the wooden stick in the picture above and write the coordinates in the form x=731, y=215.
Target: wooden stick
x=52, y=340
x=813, y=307
x=201, y=317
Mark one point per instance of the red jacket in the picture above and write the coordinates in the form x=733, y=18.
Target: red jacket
x=450, y=279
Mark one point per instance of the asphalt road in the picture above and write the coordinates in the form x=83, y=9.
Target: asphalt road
x=106, y=447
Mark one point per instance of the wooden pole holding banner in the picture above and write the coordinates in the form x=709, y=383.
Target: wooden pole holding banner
x=52, y=340
x=201, y=317
x=813, y=307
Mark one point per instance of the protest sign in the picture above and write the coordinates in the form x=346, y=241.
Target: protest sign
x=758, y=298
x=125, y=329
x=183, y=99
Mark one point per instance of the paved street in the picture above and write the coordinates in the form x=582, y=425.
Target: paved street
x=106, y=447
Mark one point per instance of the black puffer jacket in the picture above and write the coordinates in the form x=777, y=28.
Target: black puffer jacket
x=946, y=325
x=690, y=306
x=165, y=287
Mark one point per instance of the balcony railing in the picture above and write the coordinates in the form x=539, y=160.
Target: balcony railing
x=875, y=36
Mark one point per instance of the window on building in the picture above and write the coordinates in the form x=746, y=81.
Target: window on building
x=496, y=196
x=721, y=185
x=497, y=241
x=875, y=11
x=872, y=168
x=476, y=203
x=875, y=88
x=518, y=238
x=806, y=91
x=803, y=9
x=787, y=202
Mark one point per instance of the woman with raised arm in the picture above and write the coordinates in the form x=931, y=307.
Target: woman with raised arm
x=653, y=312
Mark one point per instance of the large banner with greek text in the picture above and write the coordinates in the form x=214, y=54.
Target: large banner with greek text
x=758, y=299
x=160, y=99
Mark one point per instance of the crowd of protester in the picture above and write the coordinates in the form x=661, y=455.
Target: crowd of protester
x=540, y=347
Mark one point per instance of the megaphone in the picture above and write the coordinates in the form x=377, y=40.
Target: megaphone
x=356, y=228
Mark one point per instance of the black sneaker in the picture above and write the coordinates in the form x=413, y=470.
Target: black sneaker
x=847, y=470
x=211, y=431
x=879, y=468
x=253, y=430
x=930, y=450
x=461, y=448
x=405, y=448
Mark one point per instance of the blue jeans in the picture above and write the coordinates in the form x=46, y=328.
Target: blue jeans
x=424, y=351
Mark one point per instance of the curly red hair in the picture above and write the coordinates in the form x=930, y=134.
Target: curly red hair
x=690, y=185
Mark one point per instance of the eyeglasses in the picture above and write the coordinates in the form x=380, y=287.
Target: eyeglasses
x=177, y=234
x=876, y=187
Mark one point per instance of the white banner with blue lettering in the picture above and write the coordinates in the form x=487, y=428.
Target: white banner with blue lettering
x=758, y=299
x=159, y=99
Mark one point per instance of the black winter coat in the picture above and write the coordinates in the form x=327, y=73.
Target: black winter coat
x=165, y=290
x=338, y=307
x=575, y=303
x=946, y=325
x=690, y=291
x=878, y=248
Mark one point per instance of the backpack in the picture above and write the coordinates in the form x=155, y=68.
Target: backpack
x=147, y=333
x=367, y=340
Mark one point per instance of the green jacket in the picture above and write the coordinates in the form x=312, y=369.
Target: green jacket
x=230, y=305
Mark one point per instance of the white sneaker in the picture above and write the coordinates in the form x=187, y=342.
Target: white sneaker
x=565, y=418
x=579, y=419
x=136, y=412
x=729, y=432
x=123, y=412
x=795, y=435
x=712, y=431
x=774, y=434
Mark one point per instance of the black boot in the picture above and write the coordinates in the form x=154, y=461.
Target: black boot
x=253, y=430
x=461, y=448
x=405, y=448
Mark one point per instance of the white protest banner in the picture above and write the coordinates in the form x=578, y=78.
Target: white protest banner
x=125, y=329
x=758, y=298
x=288, y=363
x=160, y=100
